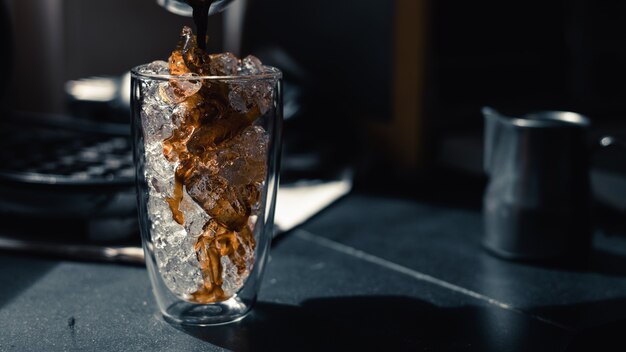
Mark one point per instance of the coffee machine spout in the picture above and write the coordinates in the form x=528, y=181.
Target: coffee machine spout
x=182, y=7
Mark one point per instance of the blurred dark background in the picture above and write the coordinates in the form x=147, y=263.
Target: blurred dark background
x=388, y=88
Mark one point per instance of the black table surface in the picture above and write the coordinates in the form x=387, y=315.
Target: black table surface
x=369, y=273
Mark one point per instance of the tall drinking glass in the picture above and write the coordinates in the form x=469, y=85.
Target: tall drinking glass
x=206, y=151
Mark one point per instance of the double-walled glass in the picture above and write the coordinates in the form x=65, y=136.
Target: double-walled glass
x=206, y=151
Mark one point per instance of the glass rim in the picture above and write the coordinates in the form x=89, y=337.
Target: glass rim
x=270, y=72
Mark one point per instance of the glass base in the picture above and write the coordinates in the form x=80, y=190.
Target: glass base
x=191, y=314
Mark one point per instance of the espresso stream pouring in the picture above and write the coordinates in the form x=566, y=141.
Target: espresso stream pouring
x=537, y=202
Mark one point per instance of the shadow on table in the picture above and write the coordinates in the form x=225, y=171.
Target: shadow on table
x=381, y=323
x=17, y=273
x=606, y=337
x=607, y=263
x=599, y=261
x=587, y=316
x=596, y=326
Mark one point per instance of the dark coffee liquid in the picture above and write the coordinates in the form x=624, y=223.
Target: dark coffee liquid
x=200, y=19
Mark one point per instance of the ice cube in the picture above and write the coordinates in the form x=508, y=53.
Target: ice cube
x=157, y=125
x=249, y=167
x=158, y=67
x=188, y=57
x=250, y=65
x=224, y=64
x=230, y=205
x=253, y=96
x=178, y=90
x=177, y=64
x=231, y=278
x=195, y=217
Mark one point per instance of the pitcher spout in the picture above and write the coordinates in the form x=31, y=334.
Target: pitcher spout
x=492, y=132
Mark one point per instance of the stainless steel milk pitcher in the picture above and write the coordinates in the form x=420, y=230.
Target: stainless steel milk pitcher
x=536, y=205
